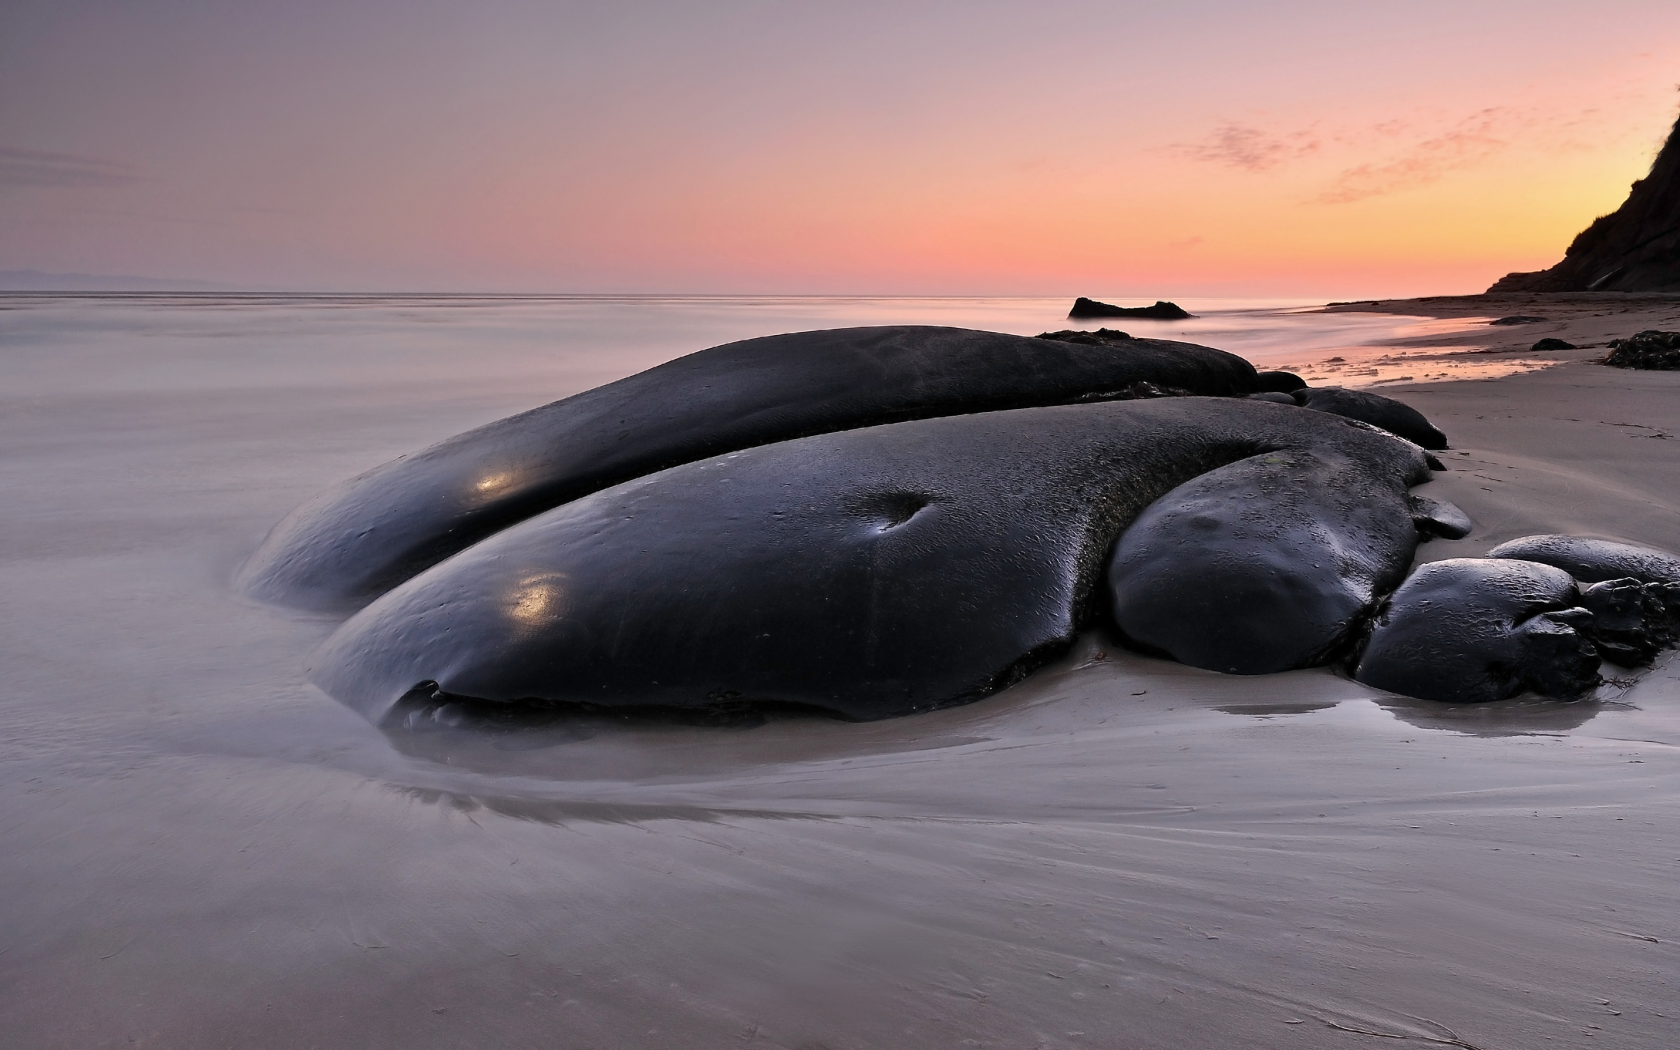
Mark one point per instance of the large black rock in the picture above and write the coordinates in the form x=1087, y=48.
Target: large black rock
x=357, y=540
x=1268, y=563
x=877, y=571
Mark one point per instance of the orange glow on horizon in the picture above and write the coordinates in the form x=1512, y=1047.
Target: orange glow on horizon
x=1292, y=152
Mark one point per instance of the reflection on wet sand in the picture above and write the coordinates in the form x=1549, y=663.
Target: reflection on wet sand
x=1518, y=716
x=1377, y=366
x=1526, y=715
x=560, y=812
x=1095, y=686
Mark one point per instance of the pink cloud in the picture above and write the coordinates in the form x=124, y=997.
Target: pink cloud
x=1469, y=142
x=1248, y=148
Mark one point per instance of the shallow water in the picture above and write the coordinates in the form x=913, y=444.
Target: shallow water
x=203, y=850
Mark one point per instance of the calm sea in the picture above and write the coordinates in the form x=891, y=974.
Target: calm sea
x=550, y=346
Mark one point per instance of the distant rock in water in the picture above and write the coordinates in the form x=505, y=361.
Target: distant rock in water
x=1521, y=319
x=1550, y=343
x=1635, y=248
x=1659, y=351
x=1161, y=311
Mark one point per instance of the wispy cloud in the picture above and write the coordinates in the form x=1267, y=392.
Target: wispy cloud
x=1467, y=143
x=1249, y=148
x=28, y=167
x=1393, y=155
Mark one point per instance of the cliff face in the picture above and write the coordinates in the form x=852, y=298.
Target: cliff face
x=1635, y=248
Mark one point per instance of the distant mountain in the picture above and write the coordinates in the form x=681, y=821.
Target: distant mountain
x=36, y=281
x=1635, y=248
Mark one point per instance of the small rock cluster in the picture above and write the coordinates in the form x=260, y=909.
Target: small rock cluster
x=1652, y=350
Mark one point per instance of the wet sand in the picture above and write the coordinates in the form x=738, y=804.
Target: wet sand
x=201, y=850
x=1467, y=345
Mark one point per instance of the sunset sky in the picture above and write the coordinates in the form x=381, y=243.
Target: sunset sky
x=1046, y=147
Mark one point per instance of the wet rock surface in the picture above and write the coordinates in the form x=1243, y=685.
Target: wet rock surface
x=1396, y=417
x=1594, y=560
x=1630, y=622
x=359, y=539
x=1633, y=591
x=1474, y=630
x=1438, y=518
x=1262, y=565
x=897, y=568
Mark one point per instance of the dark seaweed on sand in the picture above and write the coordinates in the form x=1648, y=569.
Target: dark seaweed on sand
x=1653, y=350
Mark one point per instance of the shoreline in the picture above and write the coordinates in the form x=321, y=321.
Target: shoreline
x=1588, y=319
x=1449, y=350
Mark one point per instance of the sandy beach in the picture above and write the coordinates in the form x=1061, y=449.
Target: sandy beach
x=202, y=850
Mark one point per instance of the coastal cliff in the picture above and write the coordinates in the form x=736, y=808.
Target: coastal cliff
x=1635, y=248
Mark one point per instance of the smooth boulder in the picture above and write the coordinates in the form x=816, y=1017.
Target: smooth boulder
x=1473, y=630
x=1396, y=417
x=1268, y=563
x=1594, y=560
